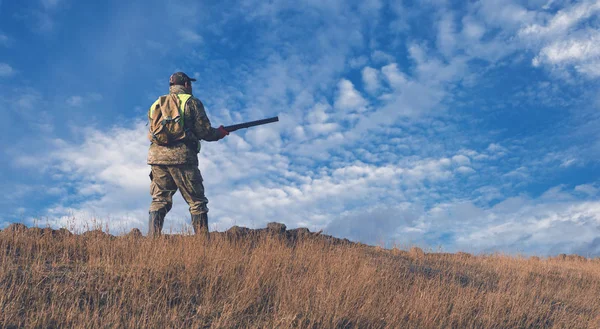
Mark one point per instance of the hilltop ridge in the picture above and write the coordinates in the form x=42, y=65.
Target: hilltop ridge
x=279, y=278
x=235, y=232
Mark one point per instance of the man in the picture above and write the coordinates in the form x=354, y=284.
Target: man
x=175, y=165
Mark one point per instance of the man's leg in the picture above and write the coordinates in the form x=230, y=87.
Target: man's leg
x=162, y=188
x=189, y=182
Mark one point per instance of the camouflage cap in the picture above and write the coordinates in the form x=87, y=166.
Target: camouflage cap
x=179, y=78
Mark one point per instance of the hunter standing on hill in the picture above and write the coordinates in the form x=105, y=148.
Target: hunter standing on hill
x=177, y=124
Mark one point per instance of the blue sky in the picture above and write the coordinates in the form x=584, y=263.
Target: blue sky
x=443, y=124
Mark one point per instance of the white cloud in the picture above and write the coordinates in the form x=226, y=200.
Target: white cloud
x=6, y=70
x=582, y=53
x=349, y=98
x=50, y=4
x=519, y=173
x=393, y=75
x=264, y=137
x=505, y=14
x=29, y=107
x=568, y=163
x=78, y=100
x=588, y=189
x=461, y=160
x=370, y=77
x=319, y=113
x=497, y=150
x=571, y=50
x=446, y=39
x=357, y=62
x=188, y=35
x=323, y=128
x=28, y=100
x=379, y=56
x=563, y=41
x=472, y=30
x=543, y=226
x=464, y=170
x=107, y=171
x=75, y=101
x=42, y=18
x=412, y=97
x=44, y=22
x=4, y=40
x=432, y=71
x=382, y=221
x=563, y=20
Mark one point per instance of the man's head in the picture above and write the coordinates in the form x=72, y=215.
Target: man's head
x=181, y=79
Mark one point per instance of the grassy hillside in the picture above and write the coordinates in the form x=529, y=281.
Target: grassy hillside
x=293, y=279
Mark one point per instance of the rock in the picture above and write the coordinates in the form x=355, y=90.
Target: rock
x=238, y=231
x=416, y=252
x=16, y=227
x=297, y=234
x=275, y=227
x=135, y=233
x=35, y=231
x=302, y=230
x=576, y=258
x=398, y=251
x=97, y=234
x=62, y=232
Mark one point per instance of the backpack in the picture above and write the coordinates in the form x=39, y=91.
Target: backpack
x=165, y=119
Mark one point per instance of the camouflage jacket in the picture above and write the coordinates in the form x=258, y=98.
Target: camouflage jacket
x=198, y=128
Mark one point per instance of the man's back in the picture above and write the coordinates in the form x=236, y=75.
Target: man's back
x=197, y=126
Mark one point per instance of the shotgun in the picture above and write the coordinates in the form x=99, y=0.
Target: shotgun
x=250, y=124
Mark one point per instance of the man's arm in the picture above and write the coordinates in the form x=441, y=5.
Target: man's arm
x=201, y=124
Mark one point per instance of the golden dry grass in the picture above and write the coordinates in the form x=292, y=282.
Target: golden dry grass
x=98, y=281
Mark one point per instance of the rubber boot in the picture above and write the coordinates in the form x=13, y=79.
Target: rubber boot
x=200, y=224
x=155, y=223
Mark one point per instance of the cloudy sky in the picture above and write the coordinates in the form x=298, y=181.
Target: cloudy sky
x=449, y=125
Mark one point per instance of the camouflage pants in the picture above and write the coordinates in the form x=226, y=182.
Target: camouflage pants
x=166, y=180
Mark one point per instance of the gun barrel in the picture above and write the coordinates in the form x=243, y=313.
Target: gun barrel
x=250, y=124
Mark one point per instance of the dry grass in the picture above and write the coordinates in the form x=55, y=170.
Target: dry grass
x=98, y=281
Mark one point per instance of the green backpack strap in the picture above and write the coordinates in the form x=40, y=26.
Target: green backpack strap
x=183, y=98
x=152, y=108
